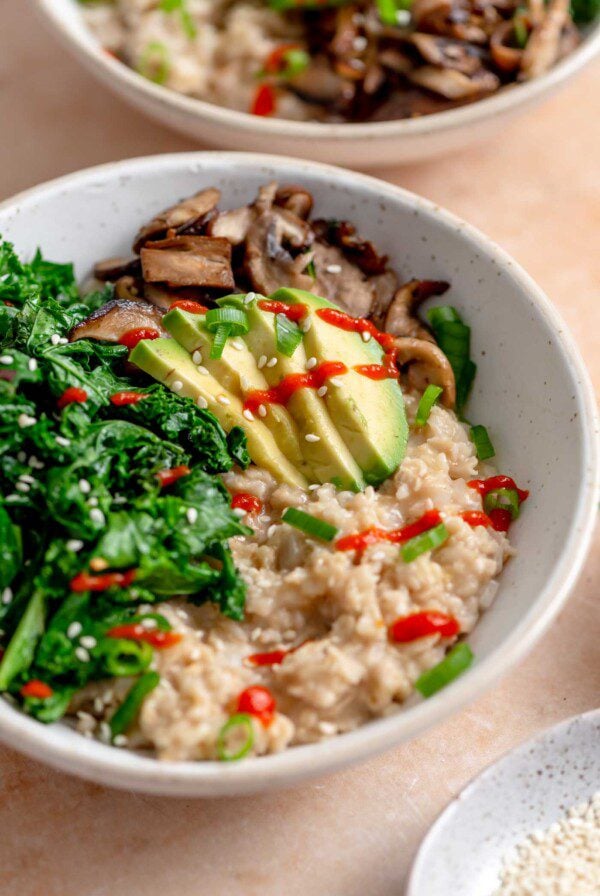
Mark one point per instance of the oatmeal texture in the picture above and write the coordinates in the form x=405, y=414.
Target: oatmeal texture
x=330, y=609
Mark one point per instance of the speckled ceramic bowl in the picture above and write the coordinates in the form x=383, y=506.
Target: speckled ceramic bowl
x=365, y=145
x=531, y=390
x=527, y=790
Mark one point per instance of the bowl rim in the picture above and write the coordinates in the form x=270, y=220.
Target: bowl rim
x=120, y=768
x=418, y=868
x=243, y=122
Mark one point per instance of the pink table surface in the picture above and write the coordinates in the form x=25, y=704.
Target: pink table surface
x=536, y=190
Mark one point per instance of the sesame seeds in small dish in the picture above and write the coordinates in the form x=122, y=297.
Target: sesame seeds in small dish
x=527, y=826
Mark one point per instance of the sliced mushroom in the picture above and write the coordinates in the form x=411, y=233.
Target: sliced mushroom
x=129, y=289
x=425, y=363
x=233, y=225
x=361, y=252
x=163, y=297
x=319, y=83
x=452, y=84
x=117, y=317
x=446, y=53
x=400, y=319
x=507, y=57
x=396, y=60
x=189, y=261
x=178, y=217
x=113, y=268
x=268, y=263
x=543, y=46
x=341, y=281
x=295, y=199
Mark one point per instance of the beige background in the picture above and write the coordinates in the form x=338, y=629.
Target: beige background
x=536, y=190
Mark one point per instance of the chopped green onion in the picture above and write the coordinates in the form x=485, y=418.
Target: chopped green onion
x=239, y=725
x=387, y=10
x=154, y=62
x=288, y=335
x=123, y=657
x=428, y=399
x=311, y=270
x=454, y=664
x=296, y=61
x=483, y=444
x=237, y=300
x=187, y=22
x=309, y=524
x=503, y=499
x=454, y=338
x=224, y=322
x=520, y=30
x=125, y=715
x=426, y=541
x=221, y=335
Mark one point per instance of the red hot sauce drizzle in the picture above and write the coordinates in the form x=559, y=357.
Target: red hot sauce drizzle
x=247, y=502
x=362, y=540
x=283, y=392
x=386, y=370
x=293, y=312
x=499, y=519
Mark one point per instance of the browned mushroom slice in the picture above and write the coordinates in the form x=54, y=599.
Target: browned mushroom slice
x=163, y=297
x=400, y=319
x=117, y=317
x=396, y=60
x=178, y=217
x=341, y=281
x=507, y=57
x=453, y=18
x=268, y=263
x=361, y=252
x=112, y=268
x=319, y=83
x=446, y=53
x=452, y=84
x=295, y=199
x=425, y=363
x=129, y=289
x=233, y=225
x=543, y=46
x=189, y=261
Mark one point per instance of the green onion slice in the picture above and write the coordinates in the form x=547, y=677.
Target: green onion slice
x=308, y=524
x=237, y=300
x=155, y=63
x=387, y=10
x=126, y=714
x=296, y=61
x=520, y=30
x=483, y=444
x=503, y=499
x=454, y=664
x=310, y=269
x=123, y=657
x=233, y=317
x=221, y=335
x=237, y=730
x=428, y=399
x=426, y=541
x=288, y=335
x=454, y=338
x=180, y=6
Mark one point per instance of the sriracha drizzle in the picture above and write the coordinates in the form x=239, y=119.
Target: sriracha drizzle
x=281, y=394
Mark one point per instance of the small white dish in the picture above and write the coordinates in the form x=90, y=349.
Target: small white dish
x=531, y=389
x=365, y=145
x=527, y=790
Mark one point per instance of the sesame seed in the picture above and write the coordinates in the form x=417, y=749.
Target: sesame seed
x=63, y=340
x=99, y=705
x=22, y=487
x=55, y=339
x=248, y=414
x=262, y=361
x=271, y=530
x=306, y=324
x=64, y=443
x=82, y=655
x=21, y=457
x=237, y=345
x=403, y=17
x=25, y=477
x=203, y=370
x=359, y=43
x=197, y=357
x=6, y=359
x=250, y=296
x=120, y=740
x=314, y=486
x=24, y=420
x=97, y=516
x=176, y=385
x=7, y=596
x=262, y=411
x=104, y=732
x=322, y=391
x=335, y=382
x=84, y=487
x=222, y=399
x=93, y=502
x=74, y=630
x=32, y=364
x=237, y=511
x=271, y=362
x=75, y=545
x=312, y=362
x=191, y=515
x=312, y=437
x=88, y=641
x=35, y=464
x=365, y=335
x=334, y=269
x=148, y=623
x=202, y=402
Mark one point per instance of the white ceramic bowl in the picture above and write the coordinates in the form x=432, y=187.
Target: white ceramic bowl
x=531, y=390
x=355, y=145
x=527, y=790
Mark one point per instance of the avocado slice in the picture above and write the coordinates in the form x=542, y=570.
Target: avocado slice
x=169, y=363
x=368, y=414
x=238, y=372
x=328, y=457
